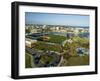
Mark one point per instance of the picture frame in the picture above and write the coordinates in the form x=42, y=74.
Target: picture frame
x=25, y=15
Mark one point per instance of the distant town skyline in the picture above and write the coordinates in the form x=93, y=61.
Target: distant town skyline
x=57, y=19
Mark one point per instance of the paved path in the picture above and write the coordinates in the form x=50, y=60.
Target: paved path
x=64, y=42
x=60, y=61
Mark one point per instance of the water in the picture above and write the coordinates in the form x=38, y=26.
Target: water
x=58, y=33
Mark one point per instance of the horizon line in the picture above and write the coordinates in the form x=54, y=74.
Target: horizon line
x=56, y=25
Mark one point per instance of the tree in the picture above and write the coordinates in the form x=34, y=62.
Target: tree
x=27, y=30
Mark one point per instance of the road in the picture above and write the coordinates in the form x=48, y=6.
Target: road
x=29, y=50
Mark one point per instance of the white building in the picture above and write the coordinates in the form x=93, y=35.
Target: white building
x=34, y=31
x=30, y=42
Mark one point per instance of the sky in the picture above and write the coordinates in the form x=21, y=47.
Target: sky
x=56, y=19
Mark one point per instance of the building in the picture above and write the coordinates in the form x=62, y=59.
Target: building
x=81, y=51
x=30, y=42
x=34, y=31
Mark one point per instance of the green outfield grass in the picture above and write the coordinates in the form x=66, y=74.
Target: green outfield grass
x=56, y=39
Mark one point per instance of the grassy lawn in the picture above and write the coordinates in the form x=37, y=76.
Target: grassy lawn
x=56, y=39
x=47, y=47
x=28, y=60
x=79, y=60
